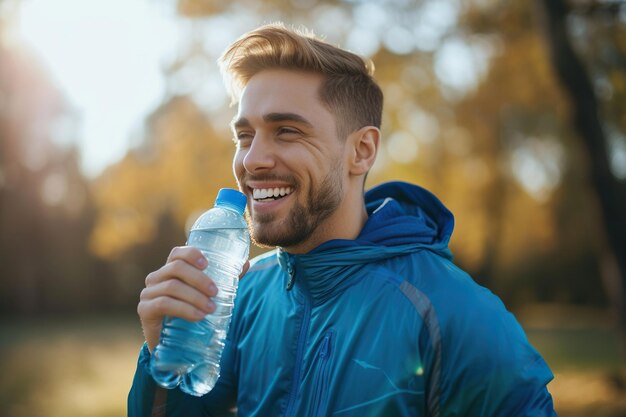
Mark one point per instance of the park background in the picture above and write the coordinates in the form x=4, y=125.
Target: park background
x=512, y=111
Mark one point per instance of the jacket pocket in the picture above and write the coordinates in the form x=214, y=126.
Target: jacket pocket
x=321, y=380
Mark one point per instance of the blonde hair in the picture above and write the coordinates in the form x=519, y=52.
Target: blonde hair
x=349, y=90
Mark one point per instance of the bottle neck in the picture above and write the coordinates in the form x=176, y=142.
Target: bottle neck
x=231, y=207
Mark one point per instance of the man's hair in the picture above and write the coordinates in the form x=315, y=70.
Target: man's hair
x=348, y=88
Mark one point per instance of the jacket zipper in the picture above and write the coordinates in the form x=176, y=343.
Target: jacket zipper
x=297, y=372
x=321, y=379
x=292, y=275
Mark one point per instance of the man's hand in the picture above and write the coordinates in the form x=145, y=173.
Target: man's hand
x=179, y=289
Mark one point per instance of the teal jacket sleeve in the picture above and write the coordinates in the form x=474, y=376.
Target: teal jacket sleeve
x=147, y=399
x=491, y=370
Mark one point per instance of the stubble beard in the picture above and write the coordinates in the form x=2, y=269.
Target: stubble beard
x=302, y=220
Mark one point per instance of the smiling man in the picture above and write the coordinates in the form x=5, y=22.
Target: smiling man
x=359, y=310
x=288, y=139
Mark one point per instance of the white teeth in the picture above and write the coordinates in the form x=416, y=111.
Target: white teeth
x=261, y=193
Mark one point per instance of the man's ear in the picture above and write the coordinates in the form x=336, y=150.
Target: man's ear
x=363, y=147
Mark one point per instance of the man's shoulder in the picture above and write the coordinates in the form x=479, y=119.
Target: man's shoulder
x=451, y=290
x=428, y=270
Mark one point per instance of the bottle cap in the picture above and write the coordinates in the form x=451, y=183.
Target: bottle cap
x=233, y=198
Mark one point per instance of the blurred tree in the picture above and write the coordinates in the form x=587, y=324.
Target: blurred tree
x=591, y=120
x=45, y=204
x=512, y=160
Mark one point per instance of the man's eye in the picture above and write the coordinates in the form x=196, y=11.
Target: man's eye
x=244, y=136
x=287, y=131
x=243, y=139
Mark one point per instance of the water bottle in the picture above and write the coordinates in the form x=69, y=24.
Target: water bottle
x=189, y=353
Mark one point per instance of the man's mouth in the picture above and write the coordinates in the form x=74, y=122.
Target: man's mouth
x=270, y=194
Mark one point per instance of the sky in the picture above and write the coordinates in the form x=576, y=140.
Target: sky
x=106, y=57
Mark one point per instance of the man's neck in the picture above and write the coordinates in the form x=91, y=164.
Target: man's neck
x=345, y=223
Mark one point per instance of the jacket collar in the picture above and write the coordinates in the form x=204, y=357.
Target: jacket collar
x=403, y=218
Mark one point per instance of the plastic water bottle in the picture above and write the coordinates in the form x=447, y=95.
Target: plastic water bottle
x=189, y=353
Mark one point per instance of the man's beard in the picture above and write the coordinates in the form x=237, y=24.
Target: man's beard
x=302, y=220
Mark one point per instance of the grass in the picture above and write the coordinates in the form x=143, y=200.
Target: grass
x=83, y=367
x=582, y=350
x=577, y=349
x=67, y=367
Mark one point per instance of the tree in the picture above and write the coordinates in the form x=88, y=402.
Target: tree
x=588, y=119
x=46, y=210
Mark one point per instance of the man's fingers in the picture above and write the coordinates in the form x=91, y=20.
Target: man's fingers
x=182, y=271
x=189, y=254
x=169, y=306
x=176, y=290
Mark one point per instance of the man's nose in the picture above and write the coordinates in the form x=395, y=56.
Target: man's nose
x=260, y=155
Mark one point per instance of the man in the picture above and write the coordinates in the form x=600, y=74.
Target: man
x=360, y=310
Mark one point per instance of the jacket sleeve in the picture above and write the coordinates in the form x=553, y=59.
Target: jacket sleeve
x=490, y=368
x=147, y=399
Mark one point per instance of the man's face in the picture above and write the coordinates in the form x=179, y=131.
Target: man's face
x=289, y=160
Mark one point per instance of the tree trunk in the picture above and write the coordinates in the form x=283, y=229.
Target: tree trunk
x=585, y=113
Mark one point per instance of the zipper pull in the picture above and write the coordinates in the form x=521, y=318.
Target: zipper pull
x=292, y=275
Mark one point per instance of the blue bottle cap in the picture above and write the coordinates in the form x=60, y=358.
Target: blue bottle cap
x=233, y=198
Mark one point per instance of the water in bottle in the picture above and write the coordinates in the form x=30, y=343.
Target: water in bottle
x=189, y=353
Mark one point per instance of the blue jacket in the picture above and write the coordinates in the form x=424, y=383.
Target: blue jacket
x=384, y=325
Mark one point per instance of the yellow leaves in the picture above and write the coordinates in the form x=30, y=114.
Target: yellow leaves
x=178, y=171
x=125, y=198
x=116, y=231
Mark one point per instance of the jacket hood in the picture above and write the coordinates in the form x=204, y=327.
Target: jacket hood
x=402, y=213
x=403, y=218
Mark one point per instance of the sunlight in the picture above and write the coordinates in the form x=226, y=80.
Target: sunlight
x=402, y=147
x=105, y=57
x=54, y=189
x=537, y=164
